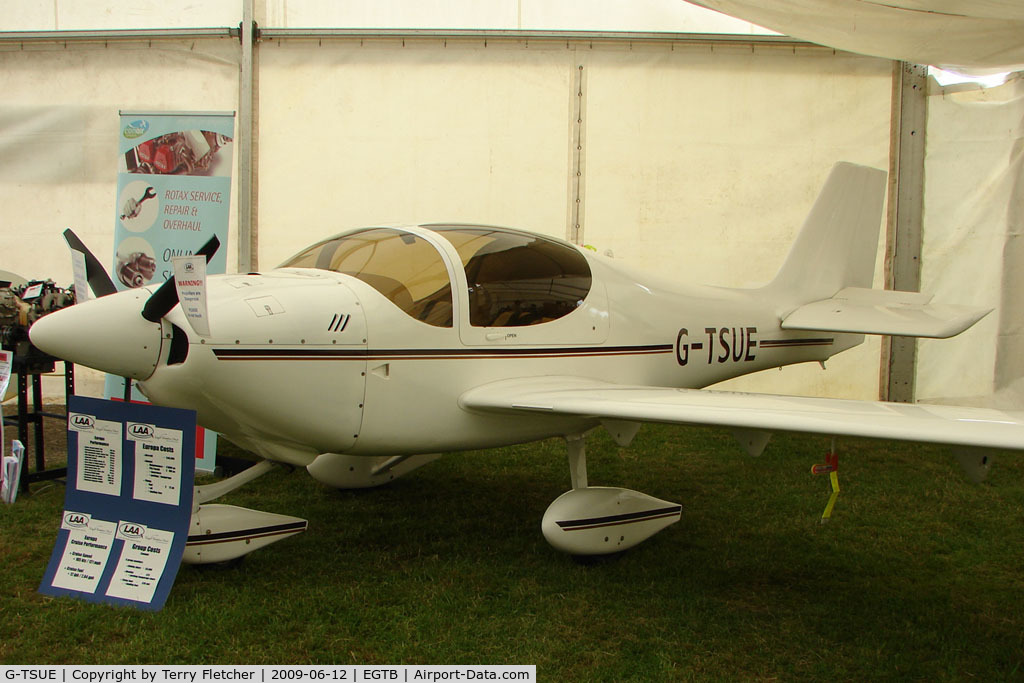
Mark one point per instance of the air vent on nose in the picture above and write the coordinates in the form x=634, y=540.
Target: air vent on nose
x=339, y=321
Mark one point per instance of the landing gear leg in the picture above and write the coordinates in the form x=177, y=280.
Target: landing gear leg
x=577, y=460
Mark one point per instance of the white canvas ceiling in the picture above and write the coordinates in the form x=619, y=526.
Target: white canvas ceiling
x=972, y=35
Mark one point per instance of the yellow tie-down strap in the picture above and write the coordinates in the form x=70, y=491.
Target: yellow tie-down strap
x=831, y=467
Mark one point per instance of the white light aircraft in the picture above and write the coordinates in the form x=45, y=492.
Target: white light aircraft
x=364, y=356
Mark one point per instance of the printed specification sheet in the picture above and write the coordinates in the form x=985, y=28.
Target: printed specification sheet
x=142, y=562
x=85, y=553
x=99, y=454
x=157, y=463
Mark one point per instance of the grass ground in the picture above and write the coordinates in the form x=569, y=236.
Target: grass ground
x=918, y=576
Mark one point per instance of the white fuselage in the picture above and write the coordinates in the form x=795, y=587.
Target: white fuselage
x=304, y=361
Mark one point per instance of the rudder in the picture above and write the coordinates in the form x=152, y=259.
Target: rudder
x=838, y=243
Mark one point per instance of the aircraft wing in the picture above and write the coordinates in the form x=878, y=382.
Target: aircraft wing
x=973, y=428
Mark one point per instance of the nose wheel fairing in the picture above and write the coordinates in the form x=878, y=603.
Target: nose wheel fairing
x=221, y=533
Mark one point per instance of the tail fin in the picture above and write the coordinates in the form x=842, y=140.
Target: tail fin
x=825, y=283
x=837, y=245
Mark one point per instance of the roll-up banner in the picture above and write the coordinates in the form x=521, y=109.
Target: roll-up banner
x=173, y=194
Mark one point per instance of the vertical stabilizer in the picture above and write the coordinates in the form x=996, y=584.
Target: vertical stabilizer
x=837, y=245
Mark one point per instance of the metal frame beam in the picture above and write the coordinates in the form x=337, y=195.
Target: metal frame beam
x=519, y=35
x=248, y=108
x=114, y=35
x=904, y=223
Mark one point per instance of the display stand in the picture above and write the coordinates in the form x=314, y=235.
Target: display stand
x=34, y=366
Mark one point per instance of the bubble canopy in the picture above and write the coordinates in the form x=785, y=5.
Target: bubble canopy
x=514, y=278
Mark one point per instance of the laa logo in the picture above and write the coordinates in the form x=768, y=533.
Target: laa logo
x=140, y=431
x=131, y=530
x=76, y=519
x=79, y=421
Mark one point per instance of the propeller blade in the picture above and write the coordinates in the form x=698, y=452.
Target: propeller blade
x=99, y=280
x=166, y=298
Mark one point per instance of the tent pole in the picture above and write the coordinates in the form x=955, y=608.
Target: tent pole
x=904, y=220
x=247, y=144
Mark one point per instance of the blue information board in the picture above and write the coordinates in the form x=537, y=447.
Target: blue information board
x=128, y=503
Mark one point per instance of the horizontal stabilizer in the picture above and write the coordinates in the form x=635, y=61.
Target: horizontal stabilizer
x=875, y=311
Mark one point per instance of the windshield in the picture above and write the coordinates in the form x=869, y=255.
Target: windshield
x=516, y=278
x=402, y=266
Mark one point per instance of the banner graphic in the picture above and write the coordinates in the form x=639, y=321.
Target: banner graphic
x=173, y=194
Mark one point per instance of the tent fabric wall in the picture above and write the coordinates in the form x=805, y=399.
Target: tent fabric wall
x=381, y=133
x=973, y=252
x=59, y=143
x=700, y=161
x=59, y=131
x=702, y=164
x=558, y=15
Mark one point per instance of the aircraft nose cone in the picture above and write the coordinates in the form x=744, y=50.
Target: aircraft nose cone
x=107, y=334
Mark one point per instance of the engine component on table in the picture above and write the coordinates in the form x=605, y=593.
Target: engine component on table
x=10, y=306
x=183, y=152
x=135, y=269
x=22, y=305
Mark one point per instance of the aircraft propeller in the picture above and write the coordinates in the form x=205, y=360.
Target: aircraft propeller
x=95, y=273
x=159, y=303
x=166, y=298
x=81, y=334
